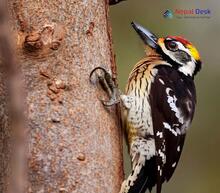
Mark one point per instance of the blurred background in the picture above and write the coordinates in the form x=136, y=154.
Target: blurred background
x=199, y=167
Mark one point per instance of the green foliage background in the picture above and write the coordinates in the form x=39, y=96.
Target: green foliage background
x=199, y=167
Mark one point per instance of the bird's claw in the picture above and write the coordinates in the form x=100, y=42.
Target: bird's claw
x=110, y=102
x=108, y=85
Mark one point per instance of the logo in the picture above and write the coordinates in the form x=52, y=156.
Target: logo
x=187, y=13
x=168, y=14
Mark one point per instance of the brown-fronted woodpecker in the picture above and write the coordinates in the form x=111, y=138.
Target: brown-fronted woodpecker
x=157, y=107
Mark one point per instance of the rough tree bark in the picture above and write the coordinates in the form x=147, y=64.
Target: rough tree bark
x=12, y=116
x=74, y=142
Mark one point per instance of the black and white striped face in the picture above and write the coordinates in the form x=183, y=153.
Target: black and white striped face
x=182, y=52
x=184, y=55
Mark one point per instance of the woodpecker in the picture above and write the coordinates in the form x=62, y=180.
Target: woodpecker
x=158, y=107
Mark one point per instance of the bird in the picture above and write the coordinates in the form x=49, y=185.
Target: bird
x=157, y=107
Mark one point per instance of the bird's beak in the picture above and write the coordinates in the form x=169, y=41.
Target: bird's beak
x=149, y=38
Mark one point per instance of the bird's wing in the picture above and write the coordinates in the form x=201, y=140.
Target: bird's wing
x=173, y=100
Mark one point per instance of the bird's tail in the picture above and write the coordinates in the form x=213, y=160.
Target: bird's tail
x=143, y=177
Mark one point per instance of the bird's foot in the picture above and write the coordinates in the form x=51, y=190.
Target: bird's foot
x=108, y=85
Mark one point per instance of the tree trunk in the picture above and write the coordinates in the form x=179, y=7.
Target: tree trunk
x=74, y=142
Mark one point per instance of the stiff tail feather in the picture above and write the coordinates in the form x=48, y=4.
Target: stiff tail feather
x=145, y=178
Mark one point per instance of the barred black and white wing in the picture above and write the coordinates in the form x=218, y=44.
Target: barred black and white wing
x=173, y=100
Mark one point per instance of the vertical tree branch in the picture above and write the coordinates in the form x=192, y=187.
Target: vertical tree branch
x=74, y=142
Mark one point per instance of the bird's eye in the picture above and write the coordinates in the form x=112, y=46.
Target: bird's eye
x=171, y=45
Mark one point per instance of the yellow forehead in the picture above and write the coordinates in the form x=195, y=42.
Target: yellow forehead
x=193, y=51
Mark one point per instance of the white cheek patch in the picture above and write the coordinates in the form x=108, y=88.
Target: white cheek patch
x=186, y=68
x=183, y=48
x=170, y=53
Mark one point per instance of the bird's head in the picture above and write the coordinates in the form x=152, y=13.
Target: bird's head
x=179, y=52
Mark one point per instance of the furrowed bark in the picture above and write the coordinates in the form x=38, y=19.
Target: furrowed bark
x=74, y=142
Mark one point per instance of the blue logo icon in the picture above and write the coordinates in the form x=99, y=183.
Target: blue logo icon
x=168, y=14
